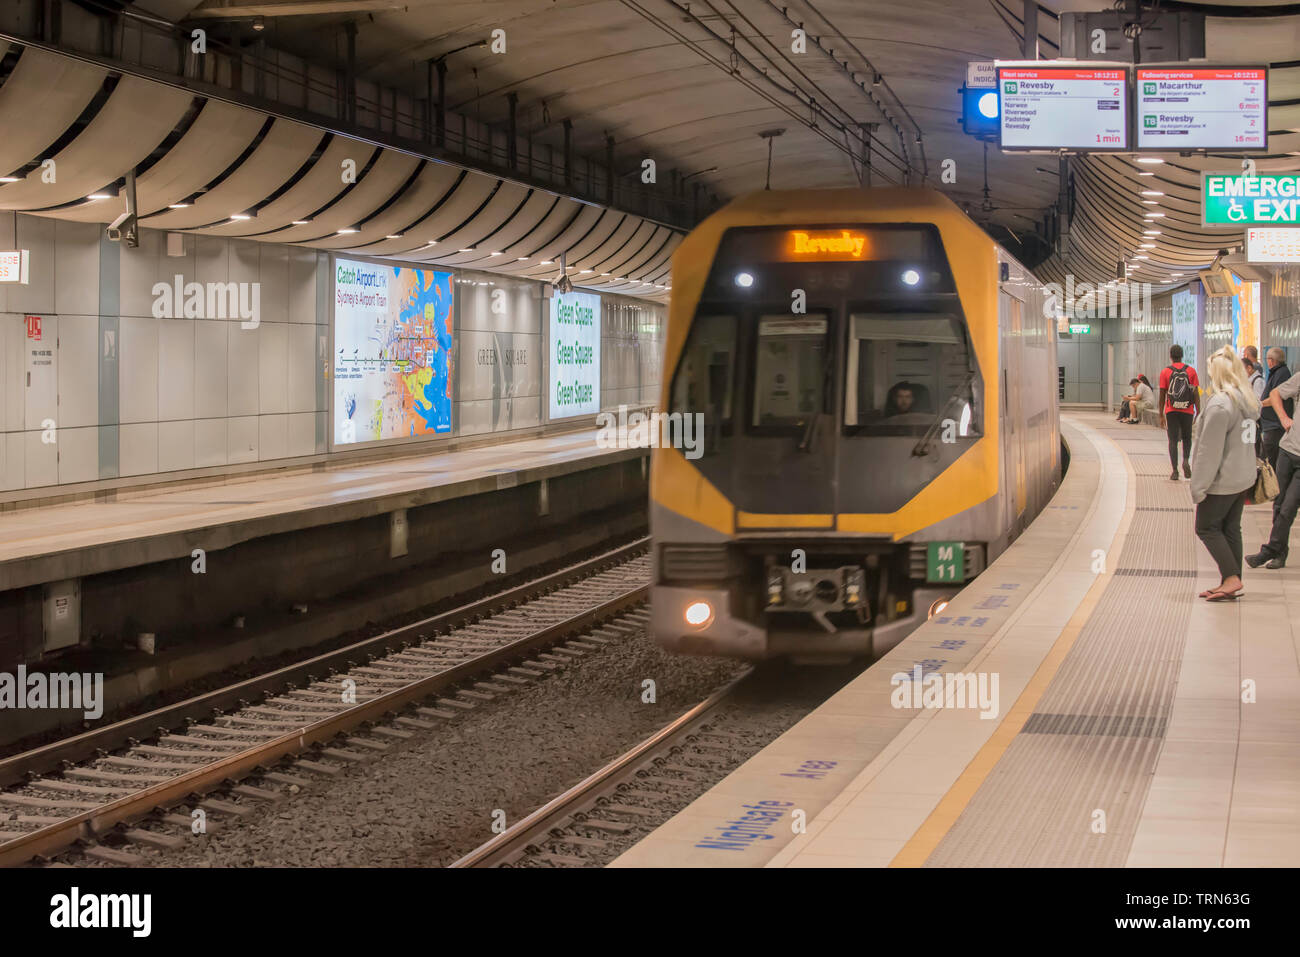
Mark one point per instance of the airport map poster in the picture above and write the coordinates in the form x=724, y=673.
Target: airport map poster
x=392, y=352
x=575, y=354
x=1184, y=324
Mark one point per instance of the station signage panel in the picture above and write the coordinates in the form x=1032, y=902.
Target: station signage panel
x=575, y=354
x=1266, y=244
x=1262, y=199
x=1064, y=108
x=14, y=265
x=1210, y=108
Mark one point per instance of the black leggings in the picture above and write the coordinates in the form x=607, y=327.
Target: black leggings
x=1218, y=526
x=1179, y=426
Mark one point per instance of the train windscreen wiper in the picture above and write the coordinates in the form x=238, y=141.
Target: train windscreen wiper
x=927, y=440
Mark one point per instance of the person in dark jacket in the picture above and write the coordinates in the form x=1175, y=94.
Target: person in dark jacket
x=1270, y=429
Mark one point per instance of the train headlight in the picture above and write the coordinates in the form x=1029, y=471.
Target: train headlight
x=698, y=614
x=938, y=606
x=911, y=277
x=744, y=280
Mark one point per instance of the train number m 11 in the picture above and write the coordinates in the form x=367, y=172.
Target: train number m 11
x=945, y=562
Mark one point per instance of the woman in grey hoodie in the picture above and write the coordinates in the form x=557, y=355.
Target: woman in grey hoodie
x=1223, y=469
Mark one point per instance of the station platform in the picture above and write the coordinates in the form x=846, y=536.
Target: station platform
x=74, y=539
x=1125, y=722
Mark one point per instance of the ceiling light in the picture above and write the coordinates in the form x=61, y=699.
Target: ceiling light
x=347, y=231
x=300, y=222
x=100, y=196
x=1151, y=232
x=1152, y=192
x=496, y=254
x=9, y=179
x=1150, y=202
x=178, y=205
x=1150, y=160
x=585, y=270
x=240, y=216
x=1153, y=215
x=548, y=262
x=1143, y=256
x=1147, y=246
x=522, y=259
x=468, y=249
x=604, y=274
x=1146, y=174
x=393, y=236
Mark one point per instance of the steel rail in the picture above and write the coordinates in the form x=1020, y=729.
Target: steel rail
x=540, y=820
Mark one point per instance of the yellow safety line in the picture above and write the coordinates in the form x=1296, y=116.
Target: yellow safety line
x=935, y=827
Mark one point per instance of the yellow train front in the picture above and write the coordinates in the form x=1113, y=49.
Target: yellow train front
x=861, y=398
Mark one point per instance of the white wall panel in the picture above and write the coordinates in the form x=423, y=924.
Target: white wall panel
x=242, y=370
x=274, y=277
x=210, y=371
x=36, y=235
x=176, y=358
x=273, y=367
x=41, y=461
x=301, y=296
x=211, y=259
x=76, y=268
x=241, y=439
x=272, y=436
x=78, y=454
x=139, y=272
x=138, y=448
x=138, y=370
x=13, y=458
x=13, y=372
x=78, y=372
x=301, y=374
x=301, y=433
x=176, y=445
x=210, y=446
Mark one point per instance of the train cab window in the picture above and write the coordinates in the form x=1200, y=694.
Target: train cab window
x=905, y=371
x=703, y=382
x=790, y=372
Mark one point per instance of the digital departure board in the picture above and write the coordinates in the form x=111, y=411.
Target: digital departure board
x=1201, y=108
x=1064, y=108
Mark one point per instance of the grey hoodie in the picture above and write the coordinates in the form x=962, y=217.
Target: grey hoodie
x=1222, y=463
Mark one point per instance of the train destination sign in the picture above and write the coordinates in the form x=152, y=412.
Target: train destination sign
x=1064, y=108
x=1264, y=199
x=1213, y=108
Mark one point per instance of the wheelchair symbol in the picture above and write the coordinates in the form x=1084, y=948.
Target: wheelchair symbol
x=1236, y=212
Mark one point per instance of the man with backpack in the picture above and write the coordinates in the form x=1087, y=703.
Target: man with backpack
x=1179, y=403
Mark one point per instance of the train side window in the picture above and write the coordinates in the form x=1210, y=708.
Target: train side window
x=705, y=376
x=791, y=375
x=904, y=369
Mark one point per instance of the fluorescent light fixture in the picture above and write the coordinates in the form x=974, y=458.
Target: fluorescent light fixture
x=584, y=271
x=1150, y=160
x=467, y=249
x=240, y=216
x=100, y=196
x=604, y=274
x=347, y=230
x=178, y=205
x=9, y=179
x=1143, y=256
x=393, y=236
x=1147, y=246
x=1153, y=215
x=1152, y=192
x=1146, y=174
x=300, y=222
x=1151, y=232
x=522, y=259
x=548, y=262
x=496, y=254
x=1150, y=202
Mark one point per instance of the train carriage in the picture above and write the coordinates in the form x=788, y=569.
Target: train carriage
x=877, y=387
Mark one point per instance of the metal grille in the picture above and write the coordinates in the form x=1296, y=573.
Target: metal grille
x=694, y=562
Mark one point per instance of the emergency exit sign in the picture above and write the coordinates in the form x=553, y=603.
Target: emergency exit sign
x=1265, y=199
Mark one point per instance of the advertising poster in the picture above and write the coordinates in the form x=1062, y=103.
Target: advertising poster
x=1184, y=330
x=575, y=354
x=392, y=352
x=1245, y=315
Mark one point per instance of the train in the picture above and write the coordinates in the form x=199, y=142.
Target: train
x=874, y=379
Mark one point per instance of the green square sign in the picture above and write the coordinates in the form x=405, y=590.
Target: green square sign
x=945, y=561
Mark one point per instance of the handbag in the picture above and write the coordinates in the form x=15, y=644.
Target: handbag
x=1265, y=489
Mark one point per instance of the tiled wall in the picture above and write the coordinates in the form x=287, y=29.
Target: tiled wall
x=129, y=394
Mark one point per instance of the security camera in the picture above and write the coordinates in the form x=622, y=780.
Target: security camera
x=563, y=285
x=122, y=228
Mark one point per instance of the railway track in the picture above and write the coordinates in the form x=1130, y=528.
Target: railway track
x=80, y=790
x=594, y=820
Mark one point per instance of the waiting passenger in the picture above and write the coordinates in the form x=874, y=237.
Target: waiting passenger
x=1179, y=403
x=1270, y=429
x=1223, y=470
x=1250, y=357
x=1274, y=551
x=1132, y=406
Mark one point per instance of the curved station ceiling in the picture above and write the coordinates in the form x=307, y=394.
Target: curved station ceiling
x=631, y=119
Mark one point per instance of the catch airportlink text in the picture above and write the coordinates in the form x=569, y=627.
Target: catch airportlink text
x=76, y=910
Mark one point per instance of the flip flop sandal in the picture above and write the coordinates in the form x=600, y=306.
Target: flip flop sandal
x=1223, y=596
x=1207, y=593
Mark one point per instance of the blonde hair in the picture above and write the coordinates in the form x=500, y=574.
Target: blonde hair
x=1227, y=375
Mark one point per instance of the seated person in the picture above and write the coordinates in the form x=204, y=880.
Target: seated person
x=1131, y=406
